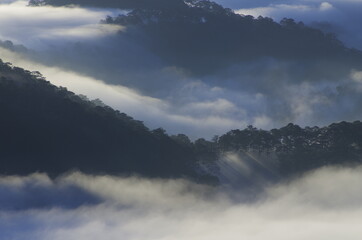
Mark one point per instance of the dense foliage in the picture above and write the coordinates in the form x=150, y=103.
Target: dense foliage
x=300, y=149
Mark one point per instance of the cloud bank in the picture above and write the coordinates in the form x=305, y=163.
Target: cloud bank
x=198, y=117
x=325, y=204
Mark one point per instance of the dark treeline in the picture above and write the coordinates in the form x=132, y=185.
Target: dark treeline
x=300, y=149
x=204, y=37
x=49, y=129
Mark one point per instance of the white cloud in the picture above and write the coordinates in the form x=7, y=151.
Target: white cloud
x=217, y=107
x=325, y=6
x=263, y=122
x=279, y=11
x=343, y=17
x=356, y=80
x=356, y=76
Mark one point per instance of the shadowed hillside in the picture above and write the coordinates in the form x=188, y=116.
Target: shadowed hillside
x=203, y=37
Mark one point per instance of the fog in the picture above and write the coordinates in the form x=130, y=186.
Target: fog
x=325, y=204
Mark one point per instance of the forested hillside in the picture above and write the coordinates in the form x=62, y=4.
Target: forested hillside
x=49, y=129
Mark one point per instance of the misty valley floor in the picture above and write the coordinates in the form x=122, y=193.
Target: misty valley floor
x=324, y=204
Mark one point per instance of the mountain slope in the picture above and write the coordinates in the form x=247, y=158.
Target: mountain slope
x=202, y=37
x=49, y=129
x=44, y=128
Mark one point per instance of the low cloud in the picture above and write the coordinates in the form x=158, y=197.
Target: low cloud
x=325, y=204
x=42, y=27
